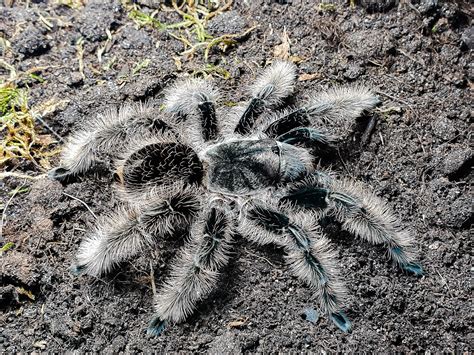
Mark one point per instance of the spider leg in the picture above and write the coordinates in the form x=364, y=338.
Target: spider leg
x=306, y=136
x=195, y=271
x=360, y=212
x=279, y=123
x=308, y=254
x=104, y=135
x=194, y=100
x=129, y=231
x=338, y=106
x=271, y=87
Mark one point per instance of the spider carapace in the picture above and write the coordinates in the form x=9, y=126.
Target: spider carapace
x=244, y=167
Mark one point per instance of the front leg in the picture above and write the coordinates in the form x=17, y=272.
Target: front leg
x=306, y=136
x=270, y=89
x=103, y=136
x=194, y=101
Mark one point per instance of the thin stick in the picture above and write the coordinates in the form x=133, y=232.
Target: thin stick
x=152, y=279
x=381, y=138
x=262, y=258
x=85, y=204
x=43, y=122
x=393, y=97
x=7, y=174
x=4, y=214
x=368, y=130
x=410, y=57
x=342, y=161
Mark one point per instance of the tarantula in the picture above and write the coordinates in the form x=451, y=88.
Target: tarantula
x=184, y=172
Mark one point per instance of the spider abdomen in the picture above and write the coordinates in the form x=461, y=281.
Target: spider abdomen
x=162, y=163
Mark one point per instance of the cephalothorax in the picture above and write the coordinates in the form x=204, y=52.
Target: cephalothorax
x=246, y=166
x=251, y=174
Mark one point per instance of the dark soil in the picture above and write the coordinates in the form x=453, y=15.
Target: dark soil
x=419, y=59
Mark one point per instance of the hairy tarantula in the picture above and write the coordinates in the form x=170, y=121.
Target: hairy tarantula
x=183, y=171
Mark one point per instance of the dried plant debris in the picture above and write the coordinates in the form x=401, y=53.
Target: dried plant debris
x=20, y=137
x=192, y=29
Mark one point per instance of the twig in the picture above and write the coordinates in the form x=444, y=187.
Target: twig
x=410, y=57
x=4, y=214
x=10, y=68
x=152, y=278
x=262, y=258
x=226, y=39
x=43, y=122
x=21, y=176
x=342, y=161
x=368, y=130
x=220, y=10
x=393, y=97
x=85, y=204
x=80, y=55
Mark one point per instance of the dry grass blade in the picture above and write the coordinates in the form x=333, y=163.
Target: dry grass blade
x=4, y=212
x=19, y=138
x=192, y=30
x=81, y=201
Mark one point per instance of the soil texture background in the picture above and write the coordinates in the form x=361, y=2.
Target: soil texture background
x=418, y=59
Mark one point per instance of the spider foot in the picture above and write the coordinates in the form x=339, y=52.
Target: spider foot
x=156, y=326
x=77, y=270
x=59, y=174
x=409, y=266
x=341, y=321
x=414, y=268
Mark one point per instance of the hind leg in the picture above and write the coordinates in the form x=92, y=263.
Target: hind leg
x=308, y=254
x=129, y=231
x=360, y=212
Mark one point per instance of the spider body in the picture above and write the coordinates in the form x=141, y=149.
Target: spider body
x=246, y=167
x=252, y=175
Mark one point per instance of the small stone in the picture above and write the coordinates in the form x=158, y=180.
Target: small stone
x=461, y=212
x=40, y=344
x=20, y=267
x=456, y=161
x=31, y=42
x=444, y=129
x=371, y=43
x=141, y=88
x=467, y=38
x=75, y=79
x=227, y=343
x=92, y=29
x=311, y=315
x=227, y=22
x=134, y=39
x=353, y=71
x=457, y=214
